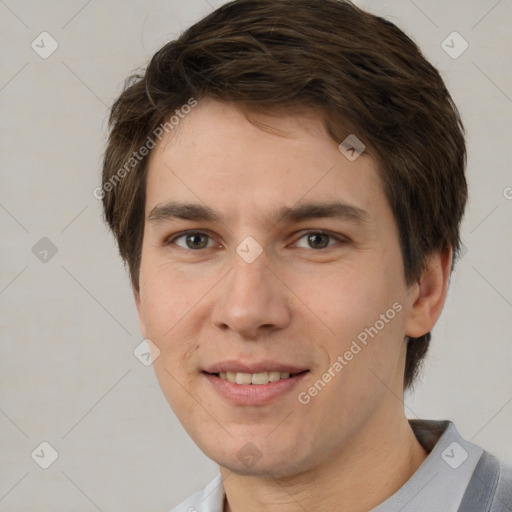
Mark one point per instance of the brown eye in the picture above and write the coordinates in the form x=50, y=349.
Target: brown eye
x=318, y=240
x=193, y=241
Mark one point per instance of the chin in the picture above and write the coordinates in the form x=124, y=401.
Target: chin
x=260, y=469
x=248, y=460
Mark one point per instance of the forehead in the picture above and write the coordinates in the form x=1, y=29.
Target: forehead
x=217, y=157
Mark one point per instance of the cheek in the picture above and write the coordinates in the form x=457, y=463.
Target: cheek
x=347, y=299
x=364, y=311
x=167, y=299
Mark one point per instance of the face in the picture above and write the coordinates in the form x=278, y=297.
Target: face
x=266, y=255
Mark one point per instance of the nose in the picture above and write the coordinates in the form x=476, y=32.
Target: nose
x=251, y=301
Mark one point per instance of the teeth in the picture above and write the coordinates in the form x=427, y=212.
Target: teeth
x=273, y=376
x=243, y=378
x=260, y=378
x=254, y=378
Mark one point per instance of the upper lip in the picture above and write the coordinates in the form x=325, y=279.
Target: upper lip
x=235, y=366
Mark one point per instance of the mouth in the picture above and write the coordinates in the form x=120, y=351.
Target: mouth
x=254, y=388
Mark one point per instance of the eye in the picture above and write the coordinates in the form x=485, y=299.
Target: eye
x=317, y=240
x=193, y=240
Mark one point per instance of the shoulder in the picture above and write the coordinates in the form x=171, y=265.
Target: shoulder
x=502, y=499
x=490, y=487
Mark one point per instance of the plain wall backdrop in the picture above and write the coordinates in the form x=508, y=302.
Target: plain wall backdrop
x=68, y=375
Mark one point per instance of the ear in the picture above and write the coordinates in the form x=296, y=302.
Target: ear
x=136, y=296
x=429, y=294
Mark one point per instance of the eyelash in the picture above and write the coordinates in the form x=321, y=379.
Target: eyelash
x=339, y=238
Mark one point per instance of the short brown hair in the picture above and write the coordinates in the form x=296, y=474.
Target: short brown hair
x=359, y=72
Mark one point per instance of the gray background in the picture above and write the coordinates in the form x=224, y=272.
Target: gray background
x=69, y=325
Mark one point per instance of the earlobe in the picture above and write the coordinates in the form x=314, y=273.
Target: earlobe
x=430, y=295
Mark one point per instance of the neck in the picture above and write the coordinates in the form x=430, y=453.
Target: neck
x=361, y=476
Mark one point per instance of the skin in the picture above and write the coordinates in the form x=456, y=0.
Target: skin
x=351, y=443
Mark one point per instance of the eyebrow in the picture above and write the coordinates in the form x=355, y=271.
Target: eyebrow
x=186, y=211
x=334, y=209
x=297, y=213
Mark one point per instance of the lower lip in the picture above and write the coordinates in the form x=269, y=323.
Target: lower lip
x=253, y=394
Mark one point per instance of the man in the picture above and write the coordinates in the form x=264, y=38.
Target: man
x=286, y=184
